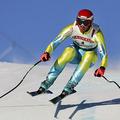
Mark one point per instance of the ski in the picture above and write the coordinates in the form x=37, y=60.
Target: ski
x=60, y=97
x=35, y=93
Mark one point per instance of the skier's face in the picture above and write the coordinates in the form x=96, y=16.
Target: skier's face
x=83, y=24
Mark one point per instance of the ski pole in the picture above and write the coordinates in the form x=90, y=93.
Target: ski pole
x=111, y=82
x=21, y=80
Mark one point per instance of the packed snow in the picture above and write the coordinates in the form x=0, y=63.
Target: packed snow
x=96, y=99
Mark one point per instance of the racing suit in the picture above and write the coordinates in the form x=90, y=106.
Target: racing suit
x=83, y=52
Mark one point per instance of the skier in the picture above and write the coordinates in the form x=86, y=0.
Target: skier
x=88, y=41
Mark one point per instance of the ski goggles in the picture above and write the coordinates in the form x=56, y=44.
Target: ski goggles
x=83, y=21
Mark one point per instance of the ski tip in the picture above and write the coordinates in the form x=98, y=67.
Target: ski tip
x=60, y=97
x=51, y=101
x=28, y=92
x=74, y=91
x=35, y=93
x=54, y=103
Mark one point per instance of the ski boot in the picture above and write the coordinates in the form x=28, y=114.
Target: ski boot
x=64, y=94
x=41, y=90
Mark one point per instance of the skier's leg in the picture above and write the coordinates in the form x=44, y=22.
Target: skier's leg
x=68, y=55
x=88, y=58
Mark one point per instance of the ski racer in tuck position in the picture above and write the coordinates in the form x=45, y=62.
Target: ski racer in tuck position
x=88, y=41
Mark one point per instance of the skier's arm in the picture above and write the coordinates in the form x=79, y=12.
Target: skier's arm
x=102, y=48
x=66, y=32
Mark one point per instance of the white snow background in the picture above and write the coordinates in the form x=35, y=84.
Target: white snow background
x=96, y=99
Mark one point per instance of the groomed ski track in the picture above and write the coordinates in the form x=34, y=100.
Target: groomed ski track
x=96, y=99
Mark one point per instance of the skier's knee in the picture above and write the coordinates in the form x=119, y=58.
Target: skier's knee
x=68, y=54
x=69, y=50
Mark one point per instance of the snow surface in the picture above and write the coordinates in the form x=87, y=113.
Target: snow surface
x=96, y=99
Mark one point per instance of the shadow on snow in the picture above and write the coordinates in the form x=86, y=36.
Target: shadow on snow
x=84, y=105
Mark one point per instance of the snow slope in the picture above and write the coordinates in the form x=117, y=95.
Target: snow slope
x=96, y=99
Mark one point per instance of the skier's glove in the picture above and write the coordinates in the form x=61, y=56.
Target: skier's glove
x=45, y=56
x=99, y=72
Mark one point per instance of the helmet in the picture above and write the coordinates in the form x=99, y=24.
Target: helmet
x=84, y=17
x=84, y=20
x=85, y=14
